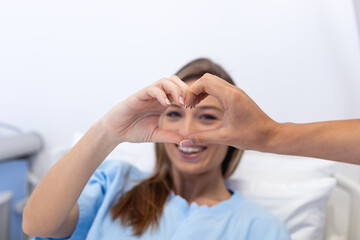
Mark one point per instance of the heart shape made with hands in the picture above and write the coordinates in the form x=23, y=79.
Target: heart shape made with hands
x=136, y=119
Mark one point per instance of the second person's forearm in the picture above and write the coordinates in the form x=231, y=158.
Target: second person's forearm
x=332, y=140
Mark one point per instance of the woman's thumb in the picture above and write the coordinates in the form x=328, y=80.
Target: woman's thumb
x=166, y=136
x=202, y=137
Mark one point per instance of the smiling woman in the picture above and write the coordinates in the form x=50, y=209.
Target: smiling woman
x=185, y=197
x=206, y=165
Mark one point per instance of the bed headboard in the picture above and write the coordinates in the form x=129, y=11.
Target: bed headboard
x=344, y=204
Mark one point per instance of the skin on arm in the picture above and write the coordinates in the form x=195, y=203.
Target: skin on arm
x=52, y=210
x=332, y=140
x=246, y=126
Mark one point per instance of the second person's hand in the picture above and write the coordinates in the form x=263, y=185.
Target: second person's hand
x=245, y=125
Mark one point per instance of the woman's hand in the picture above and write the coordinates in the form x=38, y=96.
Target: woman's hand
x=136, y=119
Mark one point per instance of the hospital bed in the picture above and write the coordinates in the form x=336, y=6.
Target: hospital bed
x=311, y=198
x=299, y=191
x=351, y=195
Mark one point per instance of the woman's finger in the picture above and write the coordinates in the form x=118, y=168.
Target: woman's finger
x=182, y=85
x=170, y=88
x=157, y=93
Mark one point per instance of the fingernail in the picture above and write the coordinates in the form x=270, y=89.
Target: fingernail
x=186, y=143
x=181, y=100
x=167, y=101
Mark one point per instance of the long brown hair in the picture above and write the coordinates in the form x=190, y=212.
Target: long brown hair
x=143, y=205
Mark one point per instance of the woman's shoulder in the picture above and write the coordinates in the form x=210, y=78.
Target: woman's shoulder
x=112, y=178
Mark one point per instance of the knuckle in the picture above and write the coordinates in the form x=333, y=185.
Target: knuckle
x=235, y=95
x=160, y=81
x=149, y=88
x=203, y=79
x=199, y=139
x=207, y=75
x=174, y=77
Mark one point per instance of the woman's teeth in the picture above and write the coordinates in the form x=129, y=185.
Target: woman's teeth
x=191, y=149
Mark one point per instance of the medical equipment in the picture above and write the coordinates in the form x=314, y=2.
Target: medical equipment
x=13, y=180
x=5, y=203
x=20, y=145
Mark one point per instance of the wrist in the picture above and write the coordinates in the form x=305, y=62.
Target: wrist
x=279, y=135
x=104, y=137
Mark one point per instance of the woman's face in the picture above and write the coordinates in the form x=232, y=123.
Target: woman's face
x=197, y=159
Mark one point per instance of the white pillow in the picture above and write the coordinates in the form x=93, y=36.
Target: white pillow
x=295, y=189
x=300, y=205
x=141, y=155
x=279, y=168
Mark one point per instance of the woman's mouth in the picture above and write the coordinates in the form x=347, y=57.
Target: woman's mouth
x=190, y=152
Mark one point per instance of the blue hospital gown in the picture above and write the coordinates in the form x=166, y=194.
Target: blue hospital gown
x=234, y=218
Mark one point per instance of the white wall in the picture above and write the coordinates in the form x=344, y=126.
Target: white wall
x=63, y=64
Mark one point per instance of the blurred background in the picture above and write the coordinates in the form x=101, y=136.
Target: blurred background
x=64, y=64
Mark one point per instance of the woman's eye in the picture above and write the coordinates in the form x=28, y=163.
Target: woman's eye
x=208, y=117
x=173, y=114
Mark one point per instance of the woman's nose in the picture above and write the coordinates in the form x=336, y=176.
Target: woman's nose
x=187, y=127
